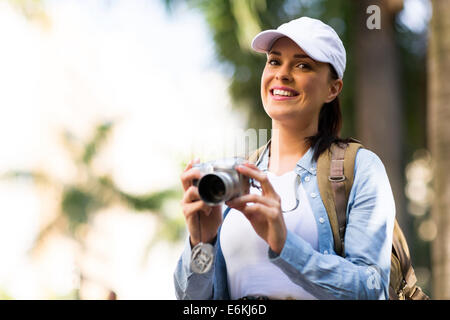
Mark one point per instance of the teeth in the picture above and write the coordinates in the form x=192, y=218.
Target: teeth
x=278, y=92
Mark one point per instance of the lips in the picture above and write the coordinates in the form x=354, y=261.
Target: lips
x=283, y=93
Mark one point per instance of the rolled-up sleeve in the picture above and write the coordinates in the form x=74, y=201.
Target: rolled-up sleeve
x=189, y=285
x=364, y=272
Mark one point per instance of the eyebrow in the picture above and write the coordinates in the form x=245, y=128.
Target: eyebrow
x=298, y=55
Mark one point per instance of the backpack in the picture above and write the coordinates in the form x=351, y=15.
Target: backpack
x=335, y=168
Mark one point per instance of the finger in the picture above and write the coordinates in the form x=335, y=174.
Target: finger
x=256, y=212
x=191, y=195
x=250, y=211
x=192, y=208
x=259, y=211
x=189, y=175
x=251, y=165
x=258, y=175
x=190, y=163
x=254, y=198
x=188, y=166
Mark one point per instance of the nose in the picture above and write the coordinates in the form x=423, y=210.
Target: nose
x=284, y=74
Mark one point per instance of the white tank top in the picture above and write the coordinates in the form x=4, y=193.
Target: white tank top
x=246, y=254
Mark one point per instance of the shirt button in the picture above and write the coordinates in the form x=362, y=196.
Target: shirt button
x=313, y=194
x=325, y=252
x=307, y=178
x=321, y=220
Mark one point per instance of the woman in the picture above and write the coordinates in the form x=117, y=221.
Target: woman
x=267, y=247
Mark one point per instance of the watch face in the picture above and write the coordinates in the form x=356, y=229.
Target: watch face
x=202, y=257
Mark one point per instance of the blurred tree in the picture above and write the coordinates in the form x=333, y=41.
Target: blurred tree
x=439, y=142
x=378, y=98
x=81, y=199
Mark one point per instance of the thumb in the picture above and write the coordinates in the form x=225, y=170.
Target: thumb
x=208, y=211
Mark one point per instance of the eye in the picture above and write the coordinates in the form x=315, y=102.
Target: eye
x=273, y=62
x=304, y=66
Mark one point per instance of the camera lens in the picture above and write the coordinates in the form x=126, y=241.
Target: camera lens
x=212, y=188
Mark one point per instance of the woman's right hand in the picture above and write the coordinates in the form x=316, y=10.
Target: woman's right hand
x=193, y=208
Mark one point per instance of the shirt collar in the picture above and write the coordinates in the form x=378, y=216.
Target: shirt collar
x=306, y=162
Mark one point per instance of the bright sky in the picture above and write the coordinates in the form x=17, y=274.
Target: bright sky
x=416, y=14
x=129, y=62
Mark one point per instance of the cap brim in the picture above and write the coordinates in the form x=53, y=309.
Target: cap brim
x=264, y=40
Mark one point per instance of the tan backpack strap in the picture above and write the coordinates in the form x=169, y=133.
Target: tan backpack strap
x=326, y=193
x=418, y=294
x=400, y=248
x=338, y=179
x=335, y=178
x=408, y=288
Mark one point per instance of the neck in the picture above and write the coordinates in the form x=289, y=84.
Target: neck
x=287, y=146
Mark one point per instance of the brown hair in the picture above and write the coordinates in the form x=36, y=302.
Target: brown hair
x=330, y=124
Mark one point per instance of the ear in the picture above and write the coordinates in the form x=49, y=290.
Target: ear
x=335, y=87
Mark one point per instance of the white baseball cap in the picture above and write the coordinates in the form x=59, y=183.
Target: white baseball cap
x=317, y=39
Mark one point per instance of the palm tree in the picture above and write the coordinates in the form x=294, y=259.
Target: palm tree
x=439, y=142
x=77, y=201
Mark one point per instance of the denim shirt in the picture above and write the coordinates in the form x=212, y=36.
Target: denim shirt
x=362, y=274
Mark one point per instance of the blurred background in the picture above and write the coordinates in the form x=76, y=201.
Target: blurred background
x=104, y=102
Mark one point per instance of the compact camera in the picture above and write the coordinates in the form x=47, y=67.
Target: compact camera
x=220, y=181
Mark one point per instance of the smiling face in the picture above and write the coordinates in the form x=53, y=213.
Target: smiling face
x=294, y=87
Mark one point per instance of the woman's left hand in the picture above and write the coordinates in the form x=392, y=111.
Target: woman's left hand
x=265, y=215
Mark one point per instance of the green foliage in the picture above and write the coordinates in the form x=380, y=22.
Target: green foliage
x=82, y=198
x=79, y=202
x=173, y=227
x=151, y=201
x=101, y=133
x=78, y=205
x=412, y=47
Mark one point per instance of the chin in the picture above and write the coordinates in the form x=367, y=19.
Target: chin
x=281, y=109
x=281, y=115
